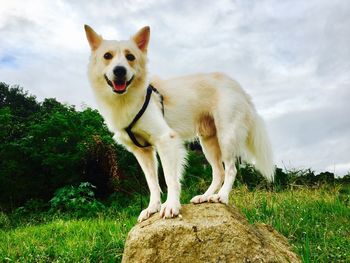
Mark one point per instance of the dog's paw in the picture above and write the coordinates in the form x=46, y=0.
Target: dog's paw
x=218, y=198
x=146, y=213
x=198, y=199
x=170, y=209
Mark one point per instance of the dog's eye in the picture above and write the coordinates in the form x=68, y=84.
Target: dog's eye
x=130, y=57
x=108, y=55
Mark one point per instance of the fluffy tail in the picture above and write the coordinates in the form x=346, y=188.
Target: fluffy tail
x=260, y=147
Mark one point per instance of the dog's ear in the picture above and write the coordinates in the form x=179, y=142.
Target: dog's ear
x=93, y=38
x=141, y=38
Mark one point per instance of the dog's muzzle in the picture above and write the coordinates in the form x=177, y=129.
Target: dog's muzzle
x=118, y=86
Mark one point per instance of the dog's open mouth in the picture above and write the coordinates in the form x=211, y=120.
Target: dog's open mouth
x=119, y=86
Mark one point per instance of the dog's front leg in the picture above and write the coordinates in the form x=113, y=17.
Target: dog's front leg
x=172, y=155
x=148, y=162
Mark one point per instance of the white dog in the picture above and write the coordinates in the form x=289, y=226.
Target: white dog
x=159, y=115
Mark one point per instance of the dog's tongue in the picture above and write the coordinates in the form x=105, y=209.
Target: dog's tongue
x=119, y=86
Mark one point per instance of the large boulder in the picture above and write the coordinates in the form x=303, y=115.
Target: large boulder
x=205, y=233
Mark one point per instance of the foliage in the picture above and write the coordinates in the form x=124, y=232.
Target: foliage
x=45, y=146
x=4, y=220
x=31, y=206
x=250, y=177
x=19, y=101
x=78, y=200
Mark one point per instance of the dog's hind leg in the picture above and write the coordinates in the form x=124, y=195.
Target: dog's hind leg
x=231, y=136
x=230, y=174
x=148, y=162
x=212, y=152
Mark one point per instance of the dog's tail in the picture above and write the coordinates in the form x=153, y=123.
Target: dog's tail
x=259, y=146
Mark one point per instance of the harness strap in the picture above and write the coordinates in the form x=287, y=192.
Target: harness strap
x=160, y=96
x=128, y=130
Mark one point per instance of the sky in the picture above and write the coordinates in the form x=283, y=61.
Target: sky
x=291, y=56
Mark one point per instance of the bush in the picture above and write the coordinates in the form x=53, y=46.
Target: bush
x=4, y=220
x=76, y=200
x=45, y=146
x=31, y=206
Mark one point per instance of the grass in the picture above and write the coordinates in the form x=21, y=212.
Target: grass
x=99, y=239
x=316, y=222
x=62, y=241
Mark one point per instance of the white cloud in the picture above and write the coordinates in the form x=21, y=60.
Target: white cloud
x=291, y=56
x=341, y=168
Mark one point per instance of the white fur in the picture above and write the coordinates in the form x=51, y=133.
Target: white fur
x=211, y=107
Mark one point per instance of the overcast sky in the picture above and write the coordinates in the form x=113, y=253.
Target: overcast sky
x=291, y=56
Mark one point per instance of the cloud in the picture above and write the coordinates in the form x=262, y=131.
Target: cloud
x=292, y=57
x=8, y=61
x=314, y=138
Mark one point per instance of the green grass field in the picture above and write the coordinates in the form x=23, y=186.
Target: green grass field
x=316, y=222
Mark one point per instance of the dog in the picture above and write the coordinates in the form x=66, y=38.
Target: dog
x=149, y=117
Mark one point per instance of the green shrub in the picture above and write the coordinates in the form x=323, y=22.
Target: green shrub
x=45, y=146
x=32, y=206
x=4, y=220
x=77, y=200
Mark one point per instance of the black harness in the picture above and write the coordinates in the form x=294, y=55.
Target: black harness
x=128, y=130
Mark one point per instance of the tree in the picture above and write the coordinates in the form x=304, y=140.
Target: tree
x=45, y=146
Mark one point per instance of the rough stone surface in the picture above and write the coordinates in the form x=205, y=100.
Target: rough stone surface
x=206, y=233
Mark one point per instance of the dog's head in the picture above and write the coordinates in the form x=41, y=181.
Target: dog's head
x=118, y=65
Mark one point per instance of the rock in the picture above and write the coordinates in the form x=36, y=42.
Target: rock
x=205, y=233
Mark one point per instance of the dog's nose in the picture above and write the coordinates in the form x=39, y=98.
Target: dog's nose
x=119, y=71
